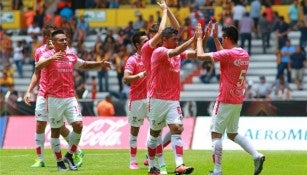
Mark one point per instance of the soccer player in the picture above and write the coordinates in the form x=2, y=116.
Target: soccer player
x=41, y=107
x=59, y=65
x=146, y=53
x=164, y=94
x=135, y=75
x=234, y=62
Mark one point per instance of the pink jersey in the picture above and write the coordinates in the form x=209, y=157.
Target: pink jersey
x=59, y=74
x=42, y=81
x=146, y=53
x=165, y=75
x=134, y=65
x=233, y=68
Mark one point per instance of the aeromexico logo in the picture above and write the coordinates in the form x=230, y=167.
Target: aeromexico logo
x=99, y=133
x=239, y=62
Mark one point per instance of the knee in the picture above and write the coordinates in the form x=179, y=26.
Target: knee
x=77, y=127
x=177, y=129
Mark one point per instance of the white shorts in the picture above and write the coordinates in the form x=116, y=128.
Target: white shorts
x=225, y=117
x=162, y=112
x=137, y=112
x=41, y=109
x=60, y=108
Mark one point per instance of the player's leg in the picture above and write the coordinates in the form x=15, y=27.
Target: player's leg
x=232, y=133
x=137, y=112
x=217, y=128
x=41, y=122
x=174, y=119
x=74, y=117
x=56, y=109
x=78, y=156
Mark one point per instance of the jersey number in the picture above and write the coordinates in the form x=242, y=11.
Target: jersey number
x=241, y=78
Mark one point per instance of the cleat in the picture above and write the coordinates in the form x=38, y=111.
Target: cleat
x=154, y=171
x=163, y=169
x=78, y=158
x=213, y=173
x=38, y=163
x=134, y=166
x=182, y=169
x=146, y=161
x=68, y=159
x=61, y=166
x=258, y=163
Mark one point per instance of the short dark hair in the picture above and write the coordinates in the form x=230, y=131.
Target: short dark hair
x=231, y=32
x=47, y=30
x=56, y=32
x=153, y=28
x=136, y=38
x=168, y=31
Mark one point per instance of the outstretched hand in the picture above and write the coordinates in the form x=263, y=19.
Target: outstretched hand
x=162, y=4
x=106, y=64
x=208, y=30
x=199, y=31
x=215, y=30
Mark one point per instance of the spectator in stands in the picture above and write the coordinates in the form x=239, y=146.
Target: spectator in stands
x=29, y=16
x=90, y=4
x=67, y=13
x=120, y=61
x=18, y=58
x=106, y=108
x=246, y=26
x=293, y=13
x=264, y=29
x=238, y=13
x=34, y=45
x=304, y=10
x=255, y=13
x=139, y=23
x=94, y=87
x=208, y=72
x=34, y=29
x=282, y=31
x=263, y=89
x=195, y=15
x=103, y=73
x=282, y=90
x=278, y=58
x=6, y=48
x=79, y=84
x=114, y=4
x=187, y=29
x=268, y=11
x=109, y=42
x=5, y=80
x=302, y=27
x=17, y=5
x=82, y=29
x=286, y=52
x=297, y=64
x=249, y=90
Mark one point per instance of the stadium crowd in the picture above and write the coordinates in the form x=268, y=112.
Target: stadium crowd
x=114, y=44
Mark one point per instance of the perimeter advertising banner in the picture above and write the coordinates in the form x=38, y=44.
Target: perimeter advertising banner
x=98, y=133
x=265, y=133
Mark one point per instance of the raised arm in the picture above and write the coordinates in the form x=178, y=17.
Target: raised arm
x=34, y=82
x=207, y=34
x=217, y=42
x=179, y=49
x=129, y=78
x=174, y=22
x=201, y=55
x=157, y=38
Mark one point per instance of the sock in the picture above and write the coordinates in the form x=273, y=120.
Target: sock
x=177, y=149
x=151, y=147
x=167, y=139
x=66, y=138
x=133, y=147
x=56, y=148
x=245, y=144
x=74, y=139
x=40, y=141
x=217, y=150
x=159, y=152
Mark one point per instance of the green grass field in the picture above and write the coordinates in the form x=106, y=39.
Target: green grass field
x=115, y=162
